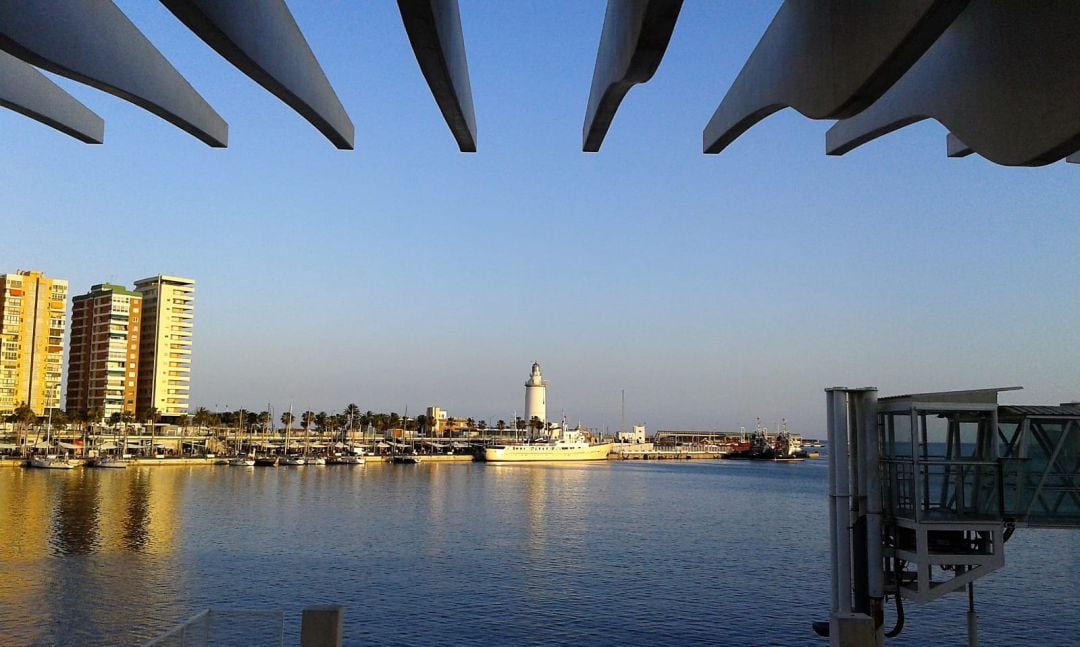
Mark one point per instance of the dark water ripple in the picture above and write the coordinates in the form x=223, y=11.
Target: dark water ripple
x=621, y=553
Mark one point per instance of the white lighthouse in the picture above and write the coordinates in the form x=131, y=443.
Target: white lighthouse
x=535, y=396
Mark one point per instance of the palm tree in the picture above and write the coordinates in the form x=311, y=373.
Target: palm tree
x=287, y=418
x=352, y=411
x=182, y=422
x=307, y=420
x=59, y=419
x=23, y=417
x=203, y=417
x=126, y=418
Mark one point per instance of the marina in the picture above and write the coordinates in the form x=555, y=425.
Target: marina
x=434, y=437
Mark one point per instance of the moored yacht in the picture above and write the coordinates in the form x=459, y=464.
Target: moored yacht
x=50, y=462
x=570, y=446
x=109, y=461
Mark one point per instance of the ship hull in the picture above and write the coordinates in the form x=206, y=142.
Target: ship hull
x=547, y=453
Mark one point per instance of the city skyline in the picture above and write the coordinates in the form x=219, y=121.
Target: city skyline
x=713, y=290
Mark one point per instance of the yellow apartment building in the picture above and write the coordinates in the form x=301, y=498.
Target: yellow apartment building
x=164, y=368
x=33, y=314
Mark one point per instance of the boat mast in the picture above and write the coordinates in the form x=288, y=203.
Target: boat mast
x=269, y=428
x=622, y=413
x=288, y=427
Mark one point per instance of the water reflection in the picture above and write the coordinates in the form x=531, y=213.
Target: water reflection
x=136, y=521
x=75, y=522
x=84, y=511
x=86, y=555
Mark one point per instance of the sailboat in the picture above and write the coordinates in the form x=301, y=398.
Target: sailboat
x=50, y=461
x=109, y=461
x=290, y=459
x=267, y=459
x=310, y=459
x=241, y=459
x=105, y=460
x=346, y=457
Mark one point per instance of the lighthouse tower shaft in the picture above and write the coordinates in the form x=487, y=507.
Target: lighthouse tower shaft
x=536, y=395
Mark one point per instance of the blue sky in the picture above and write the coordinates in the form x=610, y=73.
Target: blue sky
x=713, y=289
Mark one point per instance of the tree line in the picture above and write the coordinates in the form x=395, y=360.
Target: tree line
x=351, y=417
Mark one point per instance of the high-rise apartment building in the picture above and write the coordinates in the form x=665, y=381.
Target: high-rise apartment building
x=103, y=355
x=164, y=375
x=33, y=313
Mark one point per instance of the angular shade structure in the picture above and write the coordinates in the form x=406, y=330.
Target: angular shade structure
x=261, y=38
x=30, y=93
x=434, y=29
x=1004, y=79
x=635, y=36
x=828, y=59
x=93, y=42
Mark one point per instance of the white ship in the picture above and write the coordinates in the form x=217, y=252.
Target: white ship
x=570, y=447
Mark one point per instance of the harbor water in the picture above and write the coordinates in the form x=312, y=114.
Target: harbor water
x=622, y=552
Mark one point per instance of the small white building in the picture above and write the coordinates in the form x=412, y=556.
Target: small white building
x=635, y=436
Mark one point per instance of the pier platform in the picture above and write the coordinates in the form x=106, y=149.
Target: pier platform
x=666, y=455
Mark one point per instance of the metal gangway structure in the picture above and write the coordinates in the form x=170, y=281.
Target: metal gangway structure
x=925, y=490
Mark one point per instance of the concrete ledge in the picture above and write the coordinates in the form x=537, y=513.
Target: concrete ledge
x=321, y=627
x=853, y=630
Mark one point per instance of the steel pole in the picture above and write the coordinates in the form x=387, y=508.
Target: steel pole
x=972, y=619
x=831, y=439
x=841, y=498
x=871, y=464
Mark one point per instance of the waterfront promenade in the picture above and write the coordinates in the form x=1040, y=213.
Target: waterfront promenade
x=176, y=446
x=650, y=455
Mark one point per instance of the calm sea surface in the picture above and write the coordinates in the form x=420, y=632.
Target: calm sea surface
x=614, y=553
